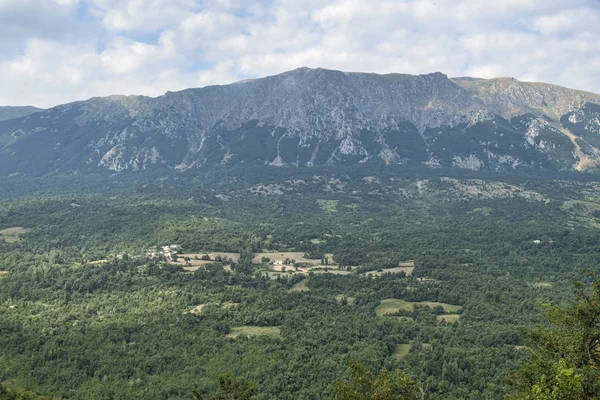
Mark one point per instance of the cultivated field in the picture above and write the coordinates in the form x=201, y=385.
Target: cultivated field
x=390, y=306
x=213, y=255
x=12, y=235
x=250, y=331
x=303, y=271
x=296, y=256
x=272, y=256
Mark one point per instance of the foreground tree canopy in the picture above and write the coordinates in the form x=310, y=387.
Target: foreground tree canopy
x=564, y=353
x=364, y=385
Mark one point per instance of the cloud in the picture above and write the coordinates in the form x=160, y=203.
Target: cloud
x=141, y=15
x=55, y=51
x=22, y=20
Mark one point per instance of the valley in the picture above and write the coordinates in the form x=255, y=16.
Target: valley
x=430, y=271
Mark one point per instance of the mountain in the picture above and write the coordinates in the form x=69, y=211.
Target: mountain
x=7, y=113
x=309, y=117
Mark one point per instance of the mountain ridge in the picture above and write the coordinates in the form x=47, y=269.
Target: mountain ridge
x=11, y=112
x=308, y=117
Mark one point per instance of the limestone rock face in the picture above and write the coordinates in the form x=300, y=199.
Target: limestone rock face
x=310, y=117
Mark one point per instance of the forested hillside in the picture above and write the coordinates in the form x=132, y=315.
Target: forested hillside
x=154, y=286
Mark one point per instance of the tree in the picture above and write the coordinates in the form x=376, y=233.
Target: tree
x=245, y=262
x=565, y=353
x=231, y=389
x=364, y=385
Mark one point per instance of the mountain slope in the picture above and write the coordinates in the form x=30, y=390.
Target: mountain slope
x=7, y=113
x=309, y=117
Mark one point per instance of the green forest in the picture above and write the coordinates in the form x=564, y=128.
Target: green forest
x=340, y=283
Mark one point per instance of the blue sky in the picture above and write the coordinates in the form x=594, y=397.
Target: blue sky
x=57, y=51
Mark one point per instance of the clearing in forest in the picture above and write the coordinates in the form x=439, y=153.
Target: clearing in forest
x=249, y=331
x=12, y=235
x=290, y=255
x=212, y=256
x=407, y=267
x=401, y=350
x=192, y=268
x=340, y=297
x=274, y=257
x=328, y=206
x=98, y=262
x=390, y=306
x=197, y=310
x=449, y=318
x=300, y=286
x=321, y=270
x=542, y=284
x=3, y=274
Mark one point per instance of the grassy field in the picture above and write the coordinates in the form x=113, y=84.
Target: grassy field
x=12, y=235
x=449, y=318
x=300, y=286
x=192, y=268
x=401, y=350
x=250, y=331
x=390, y=306
x=193, y=262
x=275, y=274
x=407, y=267
x=329, y=271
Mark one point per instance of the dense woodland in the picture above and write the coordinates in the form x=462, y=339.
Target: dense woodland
x=86, y=312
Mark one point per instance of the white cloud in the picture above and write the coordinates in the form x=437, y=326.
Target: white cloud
x=54, y=51
x=141, y=15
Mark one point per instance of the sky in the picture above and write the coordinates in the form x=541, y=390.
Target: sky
x=58, y=51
